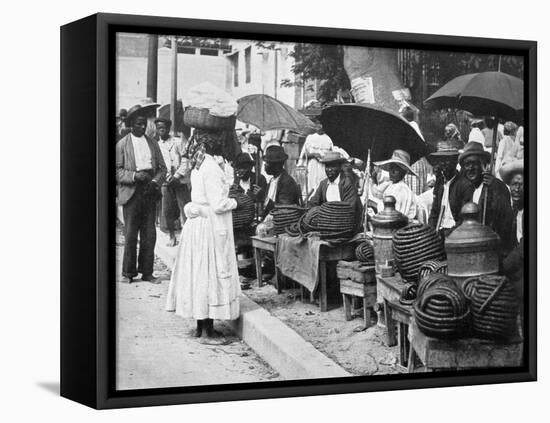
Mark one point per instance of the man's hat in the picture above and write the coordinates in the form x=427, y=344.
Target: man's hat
x=140, y=109
x=400, y=158
x=163, y=120
x=243, y=160
x=332, y=157
x=510, y=169
x=474, y=148
x=275, y=153
x=444, y=149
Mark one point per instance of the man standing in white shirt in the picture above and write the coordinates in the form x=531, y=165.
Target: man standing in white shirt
x=169, y=210
x=140, y=171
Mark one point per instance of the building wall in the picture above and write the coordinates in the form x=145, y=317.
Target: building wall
x=263, y=74
x=131, y=73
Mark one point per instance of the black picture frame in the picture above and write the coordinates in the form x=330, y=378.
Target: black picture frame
x=87, y=214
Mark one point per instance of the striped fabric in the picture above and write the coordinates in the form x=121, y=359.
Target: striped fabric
x=419, y=185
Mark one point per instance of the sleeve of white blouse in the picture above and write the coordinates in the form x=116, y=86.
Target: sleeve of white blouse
x=217, y=191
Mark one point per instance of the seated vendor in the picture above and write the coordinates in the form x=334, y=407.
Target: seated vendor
x=397, y=167
x=282, y=188
x=245, y=178
x=336, y=186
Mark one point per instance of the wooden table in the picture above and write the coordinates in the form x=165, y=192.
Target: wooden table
x=468, y=353
x=357, y=281
x=396, y=315
x=328, y=254
x=260, y=244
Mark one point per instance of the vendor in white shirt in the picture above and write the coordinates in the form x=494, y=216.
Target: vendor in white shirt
x=336, y=186
x=397, y=167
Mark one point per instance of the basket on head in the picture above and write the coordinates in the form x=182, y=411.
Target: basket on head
x=202, y=119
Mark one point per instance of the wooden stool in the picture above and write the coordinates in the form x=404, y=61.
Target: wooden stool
x=260, y=244
x=357, y=281
x=396, y=314
x=467, y=353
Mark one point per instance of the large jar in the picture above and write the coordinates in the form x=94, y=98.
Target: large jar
x=472, y=247
x=385, y=224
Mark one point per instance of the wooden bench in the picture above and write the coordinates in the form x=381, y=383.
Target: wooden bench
x=357, y=281
x=396, y=315
x=468, y=353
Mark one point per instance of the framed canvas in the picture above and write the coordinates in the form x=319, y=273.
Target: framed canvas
x=330, y=243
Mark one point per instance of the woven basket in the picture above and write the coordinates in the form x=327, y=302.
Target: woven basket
x=413, y=246
x=202, y=119
x=494, y=306
x=365, y=253
x=336, y=217
x=442, y=311
x=284, y=216
x=244, y=215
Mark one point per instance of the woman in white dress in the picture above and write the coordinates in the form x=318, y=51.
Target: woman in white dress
x=205, y=280
x=314, y=147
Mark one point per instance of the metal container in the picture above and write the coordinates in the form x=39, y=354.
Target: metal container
x=385, y=224
x=472, y=247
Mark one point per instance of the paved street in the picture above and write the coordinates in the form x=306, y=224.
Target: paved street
x=155, y=348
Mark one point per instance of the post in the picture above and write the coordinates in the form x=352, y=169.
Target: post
x=174, y=83
x=491, y=167
x=276, y=73
x=152, y=66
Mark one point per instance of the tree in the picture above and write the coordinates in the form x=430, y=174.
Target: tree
x=322, y=62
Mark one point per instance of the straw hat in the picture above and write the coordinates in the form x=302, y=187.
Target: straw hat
x=400, y=158
x=474, y=148
x=140, y=109
x=332, y=157
x=508, y=170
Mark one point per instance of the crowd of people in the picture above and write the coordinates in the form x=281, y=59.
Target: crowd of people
x=185, y=183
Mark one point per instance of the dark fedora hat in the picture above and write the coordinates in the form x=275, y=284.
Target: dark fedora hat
x=474, y=149
x=243, y=160
x=444, y=149
x=275, y=153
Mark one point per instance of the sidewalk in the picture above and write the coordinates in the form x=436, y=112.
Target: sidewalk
x=155, y=348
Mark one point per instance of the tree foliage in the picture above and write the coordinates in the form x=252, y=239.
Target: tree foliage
x=321, y=62
x=325, y=63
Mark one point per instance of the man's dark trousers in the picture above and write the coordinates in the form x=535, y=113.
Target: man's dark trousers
x=139, y=221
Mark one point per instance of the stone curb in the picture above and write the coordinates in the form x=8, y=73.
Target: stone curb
x=280, y=346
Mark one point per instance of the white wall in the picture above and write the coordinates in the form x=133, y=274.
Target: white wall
x=192, y=70
x=263, y=72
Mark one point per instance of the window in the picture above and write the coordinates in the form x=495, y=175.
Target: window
x=247, y=59
x=235, y=66
x=208, y=52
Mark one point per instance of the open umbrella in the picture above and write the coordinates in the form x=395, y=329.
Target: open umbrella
x=268, y=113
x=494, y=94
x=359, y=127
x=486, y=93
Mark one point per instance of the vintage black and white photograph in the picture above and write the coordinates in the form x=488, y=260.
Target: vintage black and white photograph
x=297, y=211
